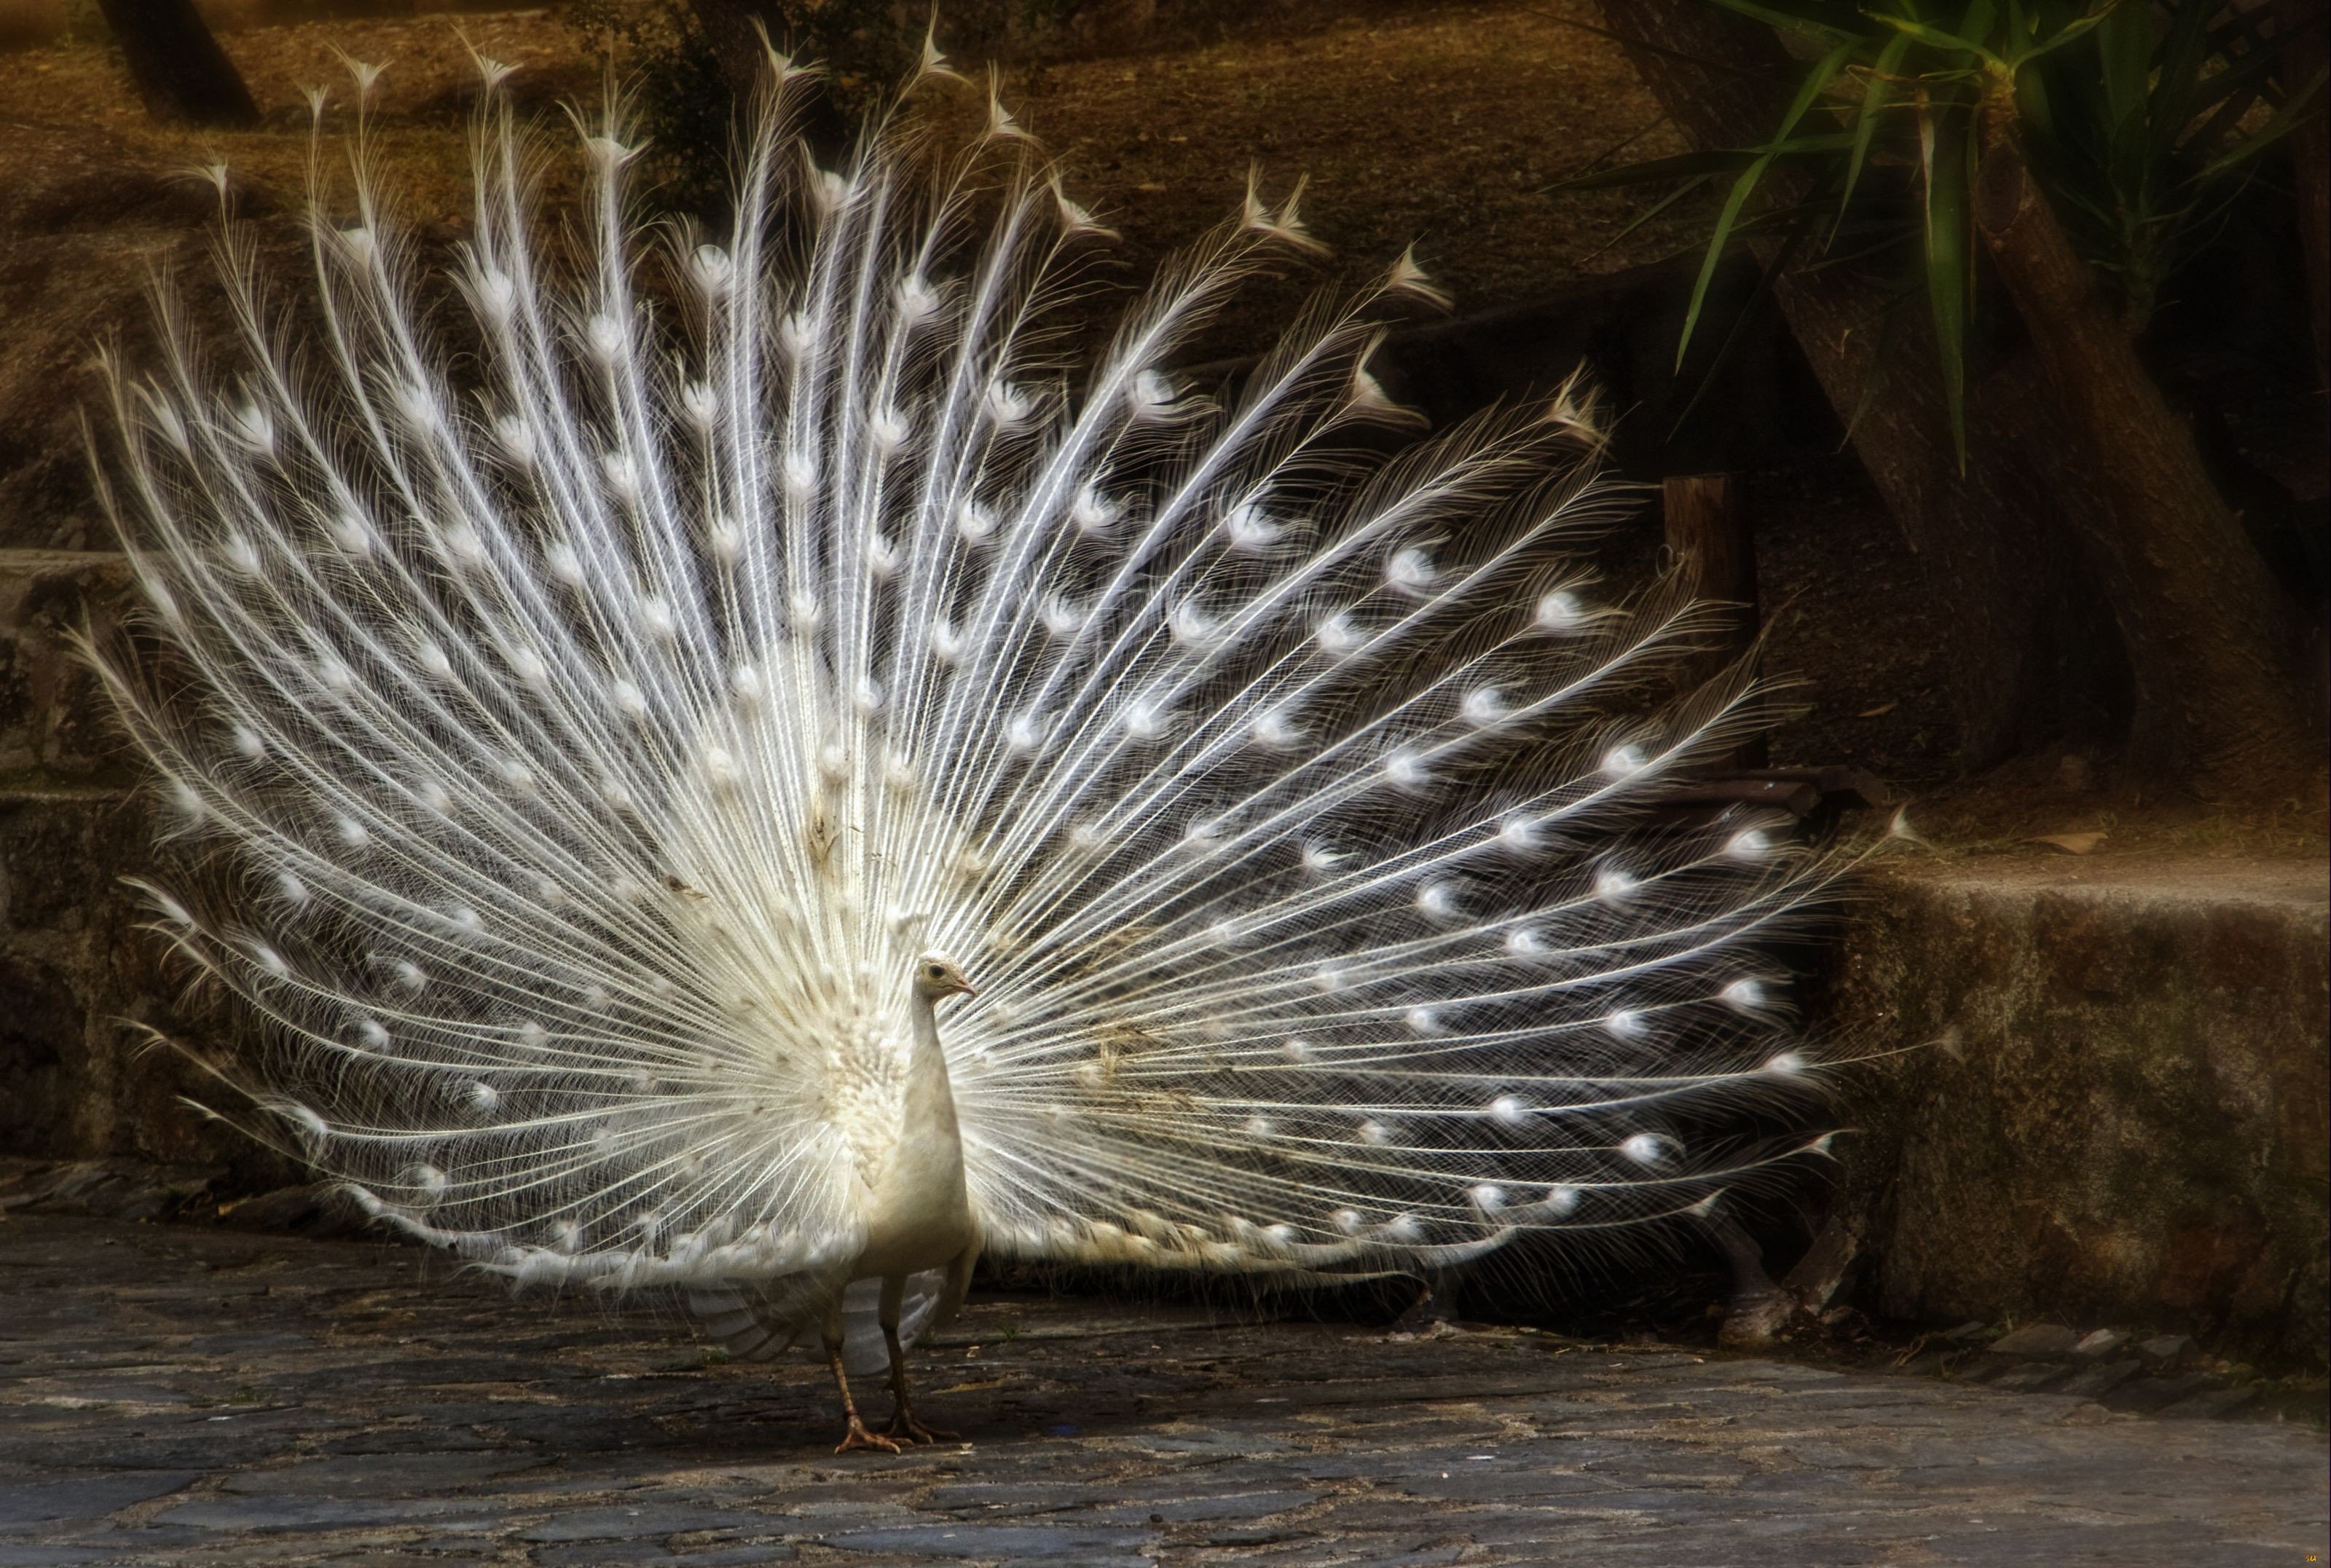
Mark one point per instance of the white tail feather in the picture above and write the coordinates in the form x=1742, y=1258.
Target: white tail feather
x=597, y=725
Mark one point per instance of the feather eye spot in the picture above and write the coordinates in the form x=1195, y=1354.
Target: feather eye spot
x=1008, y=407
x=1151, y=395
x=497, y=296
x=1409, y=570
x=713, y=269
x=1407, y=770
x=515, y=436
x=607, y=338
x=918, y=302
x=1338, y=635
x=1485, y=707
x=254, y=427
x=1561, y=615
x=1249, y=530
x=310, y=1128
x=1025, y=732
x=1649, y=1150
x=352, y=536
x=1275, y=729
x=1092, y=513
x=623, y=477
x=1193, y=627
x=428, y=1184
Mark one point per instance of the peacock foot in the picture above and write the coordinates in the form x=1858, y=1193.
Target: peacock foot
x=904, y=1427
x=856, y=1437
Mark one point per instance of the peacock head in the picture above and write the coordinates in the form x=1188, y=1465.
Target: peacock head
x=938, y=978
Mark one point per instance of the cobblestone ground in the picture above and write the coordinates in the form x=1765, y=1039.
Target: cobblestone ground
x=188, y=1395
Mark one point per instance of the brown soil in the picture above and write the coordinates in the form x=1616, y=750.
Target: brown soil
x=1439, y=124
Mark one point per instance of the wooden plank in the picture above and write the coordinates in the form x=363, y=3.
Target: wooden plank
x=1707, y=532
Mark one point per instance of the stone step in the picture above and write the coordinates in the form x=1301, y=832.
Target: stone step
x=2113, y=1104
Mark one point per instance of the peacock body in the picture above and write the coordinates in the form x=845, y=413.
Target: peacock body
x=623, y=717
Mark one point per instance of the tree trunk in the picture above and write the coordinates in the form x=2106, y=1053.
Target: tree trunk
x=1701, y=514
x=180, y=71
x=2212, y=643
x=1991, y=553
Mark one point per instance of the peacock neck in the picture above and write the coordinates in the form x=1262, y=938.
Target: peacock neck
x=928, y=1105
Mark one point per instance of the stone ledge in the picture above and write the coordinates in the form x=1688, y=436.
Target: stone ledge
x=2113, y=1104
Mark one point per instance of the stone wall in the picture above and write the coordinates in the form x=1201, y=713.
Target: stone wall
x=83, y=991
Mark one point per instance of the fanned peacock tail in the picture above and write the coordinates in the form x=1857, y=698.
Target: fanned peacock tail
x=596, y=703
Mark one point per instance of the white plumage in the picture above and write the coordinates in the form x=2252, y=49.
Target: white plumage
x=620, y=711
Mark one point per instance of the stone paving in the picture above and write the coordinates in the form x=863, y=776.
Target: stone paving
x=185, y=1394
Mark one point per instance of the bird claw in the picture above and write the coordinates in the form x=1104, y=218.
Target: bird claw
x=858, y=1436
x=905, y=1428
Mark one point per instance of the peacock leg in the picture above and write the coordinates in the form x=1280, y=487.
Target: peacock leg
x=903, y=1425
x=855, y=1436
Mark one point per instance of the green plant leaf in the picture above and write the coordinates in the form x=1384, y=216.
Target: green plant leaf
x=1948, y=42
x=1943, y=166
x=1807, y=16
x=2279, y=124
x=1865, y=125
x=1809, y=93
